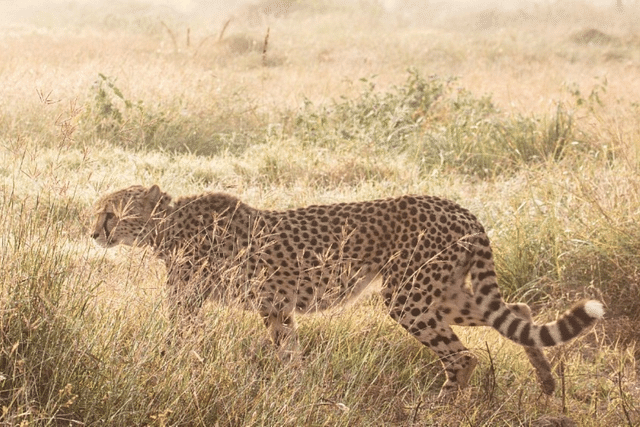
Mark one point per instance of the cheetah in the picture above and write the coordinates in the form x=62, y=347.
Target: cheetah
x=430, y=257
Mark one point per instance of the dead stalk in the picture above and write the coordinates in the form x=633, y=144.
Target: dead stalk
x=172, y=35
x=264, y=48
x=224, y=28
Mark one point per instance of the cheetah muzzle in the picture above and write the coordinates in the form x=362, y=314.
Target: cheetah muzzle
x=431, y=257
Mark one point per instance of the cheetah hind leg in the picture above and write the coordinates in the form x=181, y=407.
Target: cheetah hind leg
x=458, y=362
x=282, y=327
x=535, y=354
x=458, y=369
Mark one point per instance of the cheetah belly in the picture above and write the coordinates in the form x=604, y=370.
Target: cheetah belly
x=340, y=292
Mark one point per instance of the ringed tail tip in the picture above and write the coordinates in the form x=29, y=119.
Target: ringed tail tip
x=594, y=309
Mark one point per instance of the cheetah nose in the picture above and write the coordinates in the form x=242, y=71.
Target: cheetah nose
x=94, y=236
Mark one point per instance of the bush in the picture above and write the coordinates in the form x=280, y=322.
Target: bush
x=439, y=125
x=112, y=116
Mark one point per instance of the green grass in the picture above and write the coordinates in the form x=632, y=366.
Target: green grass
x=511, y=114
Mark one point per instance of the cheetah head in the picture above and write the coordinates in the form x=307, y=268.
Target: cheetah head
x=129, y=216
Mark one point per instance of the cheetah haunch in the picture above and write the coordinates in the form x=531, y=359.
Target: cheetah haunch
x=431, y=256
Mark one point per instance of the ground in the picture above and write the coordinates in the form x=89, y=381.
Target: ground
x=527, y=116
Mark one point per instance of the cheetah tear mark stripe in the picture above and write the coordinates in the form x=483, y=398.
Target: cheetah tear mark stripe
x=571, y=324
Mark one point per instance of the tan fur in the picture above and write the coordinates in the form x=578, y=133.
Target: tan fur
x=431, y=256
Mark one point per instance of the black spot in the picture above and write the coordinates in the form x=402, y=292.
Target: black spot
x=439, y=339
x=582, y=315
x=485, y=274
x=486, y=290
x=575, y=324
x=565, y=333
x=525, y=337
x=500, y=320
x=545, y=336
x=513, y=327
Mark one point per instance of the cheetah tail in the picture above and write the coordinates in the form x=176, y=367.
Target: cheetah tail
x=571, y=324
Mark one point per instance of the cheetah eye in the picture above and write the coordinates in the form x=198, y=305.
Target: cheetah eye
x=108, y=216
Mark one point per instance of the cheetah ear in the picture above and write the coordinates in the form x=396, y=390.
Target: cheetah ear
x=153, y=195
x=156, y=199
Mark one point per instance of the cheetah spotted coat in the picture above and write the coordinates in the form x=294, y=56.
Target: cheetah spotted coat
x=431, y=258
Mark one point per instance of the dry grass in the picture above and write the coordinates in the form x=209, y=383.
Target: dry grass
x=538, y=135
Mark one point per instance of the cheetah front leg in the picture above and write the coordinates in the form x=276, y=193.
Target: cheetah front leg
x=282, y=327
x=184, y=301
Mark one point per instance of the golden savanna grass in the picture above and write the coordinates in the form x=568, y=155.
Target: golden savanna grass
x=527, y=115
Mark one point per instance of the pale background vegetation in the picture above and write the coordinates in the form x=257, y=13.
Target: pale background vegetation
x=525, y=112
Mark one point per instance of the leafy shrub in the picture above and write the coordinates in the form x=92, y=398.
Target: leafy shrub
x=439, y=125
x=111, y=115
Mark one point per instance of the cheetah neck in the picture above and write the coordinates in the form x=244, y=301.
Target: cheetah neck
x=159, y=225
